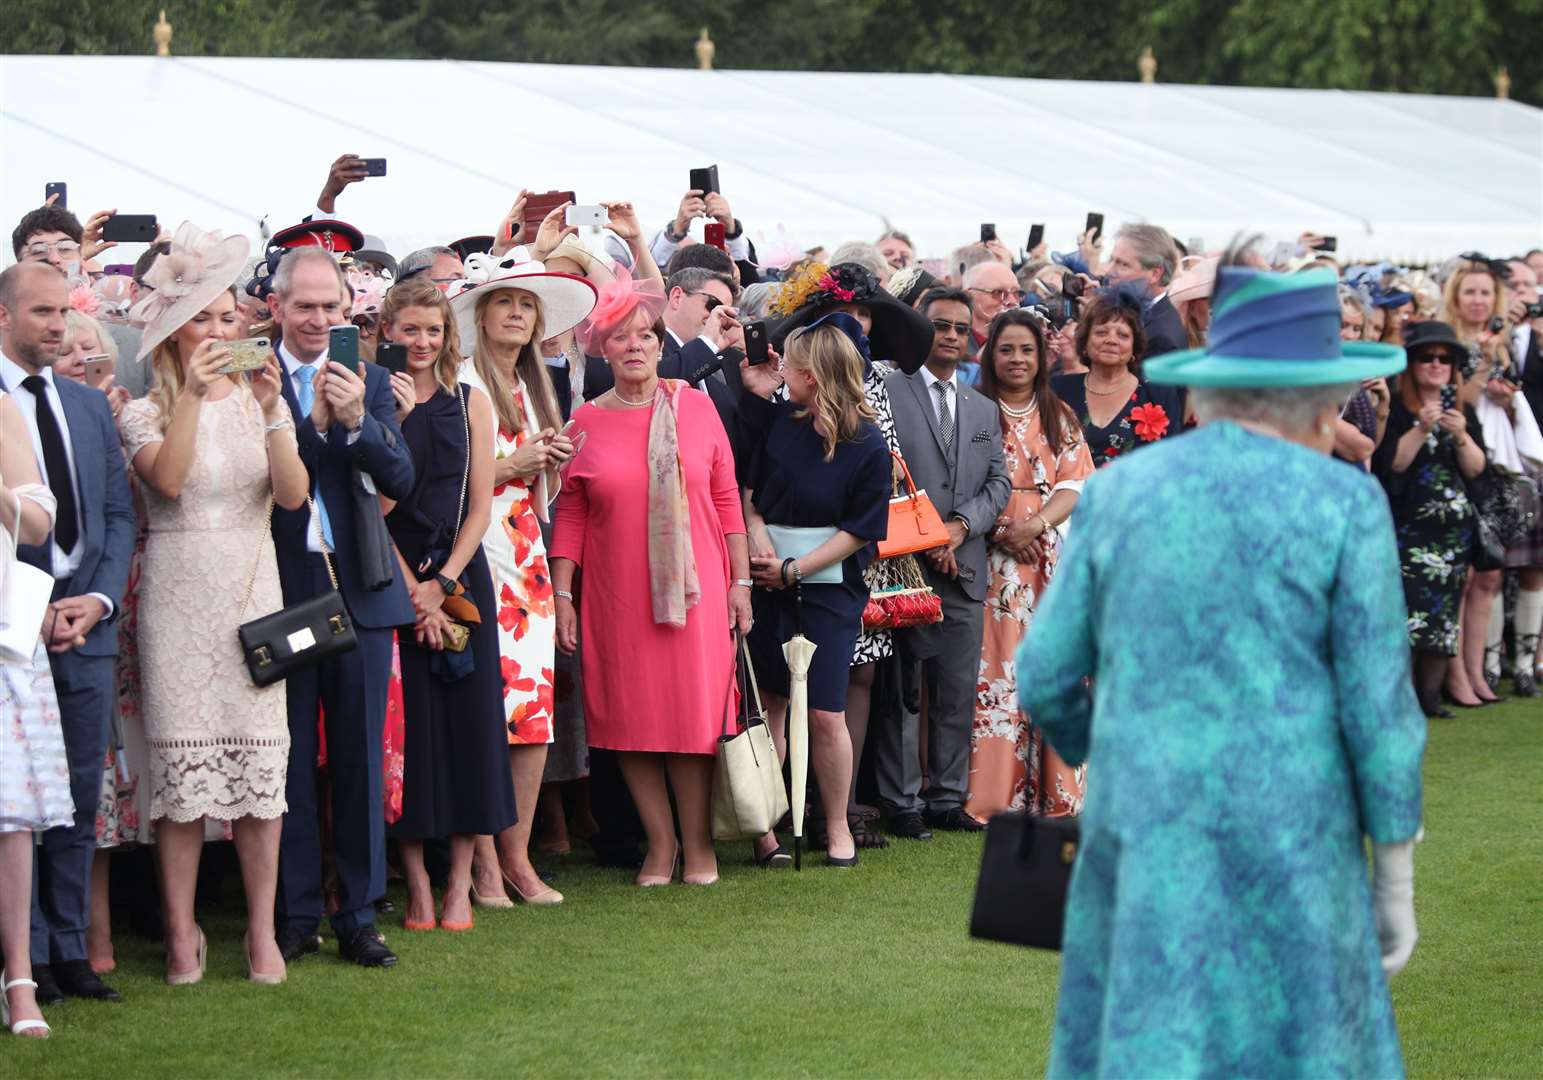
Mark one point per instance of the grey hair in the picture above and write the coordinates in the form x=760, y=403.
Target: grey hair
x=1357, y=299
x=422, y=259
x=754, y=301
x=284, y=276
x=1154, y=248
x=864, y=255
x=1289, y=409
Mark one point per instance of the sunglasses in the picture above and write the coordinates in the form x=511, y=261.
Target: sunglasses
x=1433, y=358
x=943, y=326
x=712, y=302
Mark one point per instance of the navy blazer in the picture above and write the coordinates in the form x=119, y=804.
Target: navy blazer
x=380, y=452
x=1532, y=373
x=109, y=525
x=1164, y=329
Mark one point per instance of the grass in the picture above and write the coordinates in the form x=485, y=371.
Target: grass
x=824, y=973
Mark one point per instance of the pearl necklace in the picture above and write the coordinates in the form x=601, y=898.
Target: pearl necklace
x=615, y=393
x=1018, y=414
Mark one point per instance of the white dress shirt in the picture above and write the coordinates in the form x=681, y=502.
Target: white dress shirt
x=64, y=564
x=1521, y=337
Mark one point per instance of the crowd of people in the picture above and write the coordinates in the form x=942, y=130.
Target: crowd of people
x=547, y=481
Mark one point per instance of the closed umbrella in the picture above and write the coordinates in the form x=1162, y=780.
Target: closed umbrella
x=798, y=651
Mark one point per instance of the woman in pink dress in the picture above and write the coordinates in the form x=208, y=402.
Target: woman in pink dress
x=650, y=512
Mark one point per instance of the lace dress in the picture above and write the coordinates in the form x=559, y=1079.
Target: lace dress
x=219, y=746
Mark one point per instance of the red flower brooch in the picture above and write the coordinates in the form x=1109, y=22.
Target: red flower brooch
x=829, y=284
x=1151, y=422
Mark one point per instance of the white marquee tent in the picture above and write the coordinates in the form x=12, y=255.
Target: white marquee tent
x=827, y=157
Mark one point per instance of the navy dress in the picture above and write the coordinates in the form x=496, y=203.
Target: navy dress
x=1124, y=433
x=455, y=776
x=794, y=485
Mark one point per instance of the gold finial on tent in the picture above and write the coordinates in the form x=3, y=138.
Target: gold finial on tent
x=1147, y=65
x=1503, y=82
x=162, y=34
x=705, y=51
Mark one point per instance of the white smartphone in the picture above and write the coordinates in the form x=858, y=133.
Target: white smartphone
x=595, y=216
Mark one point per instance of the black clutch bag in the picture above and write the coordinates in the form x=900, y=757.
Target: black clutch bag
x=299, y=636
x=1025, y=869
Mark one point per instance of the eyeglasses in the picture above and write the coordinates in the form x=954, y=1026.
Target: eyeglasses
x=943, y=326
x=42, y=248
x=366, y=322
x=711, y=301
x=1004, y=296
x=1433, y=358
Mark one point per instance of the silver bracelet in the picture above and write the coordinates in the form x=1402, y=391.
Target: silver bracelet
x=563, y=594
x=744, y=583
x=279, y=425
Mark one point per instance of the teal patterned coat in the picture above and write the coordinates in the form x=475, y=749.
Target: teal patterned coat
x=1237, y=602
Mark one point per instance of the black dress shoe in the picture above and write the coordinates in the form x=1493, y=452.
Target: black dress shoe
x=831, y=860
x=1524, y=685
x=294, y=944
x=954, y=819
x=48, y=992
x=77, y=980
x=366, y=948
x=1439, y=713
x=909, y=826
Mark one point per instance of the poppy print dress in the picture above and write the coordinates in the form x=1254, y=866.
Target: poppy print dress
x=522, y=589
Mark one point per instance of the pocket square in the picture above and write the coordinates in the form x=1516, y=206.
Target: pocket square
x=981, y=436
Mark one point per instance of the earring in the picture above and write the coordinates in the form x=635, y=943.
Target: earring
x=1325, y=430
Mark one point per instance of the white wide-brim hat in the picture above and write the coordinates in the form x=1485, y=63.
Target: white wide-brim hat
x=189, y=277
x=566, y=300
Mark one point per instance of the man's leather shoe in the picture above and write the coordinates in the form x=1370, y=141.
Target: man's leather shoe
x=954, y=819
x=909, y=826
x=1526, y=686
x=366, y=948
x=48, y=992
x=77, y=980
x=294, y=944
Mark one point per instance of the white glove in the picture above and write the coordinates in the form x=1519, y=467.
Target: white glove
x=1393, y=901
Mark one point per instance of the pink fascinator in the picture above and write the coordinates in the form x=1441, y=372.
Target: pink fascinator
x=198, y=267
x=85, y=301
x=618, y=300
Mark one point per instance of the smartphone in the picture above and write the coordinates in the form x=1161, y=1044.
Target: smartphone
x=56, y=187
x=248, y=354
x=99, y=369
x=705, y=180
x=130, y=228
x=713, y=234
x=988, y=232
x=1328, y=243
x=1095, y=226
x=374, y=166
x=343, y=346
x=756, y=342
x=595, y=216
x=537, y=207
x=1448, y=397
x=392, y=357
x=1036, y=237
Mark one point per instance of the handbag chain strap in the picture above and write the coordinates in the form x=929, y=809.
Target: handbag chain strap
x=321, y=540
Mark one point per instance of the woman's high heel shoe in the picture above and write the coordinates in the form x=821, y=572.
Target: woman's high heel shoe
x=19, y=1027
x=261, y=978
x=547, y=897
x=500, y=900
x=188, y=978
x=649, y=881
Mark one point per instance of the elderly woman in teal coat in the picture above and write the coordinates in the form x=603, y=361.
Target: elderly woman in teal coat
x=1234, y=598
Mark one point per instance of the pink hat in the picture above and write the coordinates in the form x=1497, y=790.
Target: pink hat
x=1195, y=279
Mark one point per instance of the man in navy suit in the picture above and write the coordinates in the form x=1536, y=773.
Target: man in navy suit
x=343, y=418
x=1145, y=254
x=88, y=554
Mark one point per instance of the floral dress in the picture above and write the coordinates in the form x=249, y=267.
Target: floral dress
x=1152, y=413
x=1434, y=523
x=1011, y=765
x=877, y=644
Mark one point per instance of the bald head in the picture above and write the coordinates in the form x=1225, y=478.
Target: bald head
x=34, y=298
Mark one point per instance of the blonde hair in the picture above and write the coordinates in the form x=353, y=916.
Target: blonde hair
x=839, y=407
x=166, y=368
x=1451, y=310
x=421, y=292
x=76, y=321
x=530, y=366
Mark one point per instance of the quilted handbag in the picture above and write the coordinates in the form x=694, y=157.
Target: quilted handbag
x=914, y=523
x=899, y=596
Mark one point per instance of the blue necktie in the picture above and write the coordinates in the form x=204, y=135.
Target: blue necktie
x=307, y=398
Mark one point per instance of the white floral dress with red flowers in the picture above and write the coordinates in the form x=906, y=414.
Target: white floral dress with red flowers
x=522, y=584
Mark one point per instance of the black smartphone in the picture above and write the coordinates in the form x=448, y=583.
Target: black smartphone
x=374, y=166
x=343, y=346
x=1328, y=243
x=756, y=342
x=56, y=187
x=1095, y=226
x=1448, y=397
x=130, y=228
x=705, y=180
x=392, y=357
x=988, y=232
x=1036, y=237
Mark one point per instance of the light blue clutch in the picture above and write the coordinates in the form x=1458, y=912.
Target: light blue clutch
x=793, y=542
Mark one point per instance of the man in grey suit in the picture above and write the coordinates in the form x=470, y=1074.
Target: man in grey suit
x=951, y=439
x=88, y=553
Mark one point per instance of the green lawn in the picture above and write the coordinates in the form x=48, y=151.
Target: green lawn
x=827, y=973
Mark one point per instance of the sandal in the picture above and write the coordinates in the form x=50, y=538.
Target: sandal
x=865, y=831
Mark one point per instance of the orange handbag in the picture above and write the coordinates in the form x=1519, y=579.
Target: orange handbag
x=914, y=523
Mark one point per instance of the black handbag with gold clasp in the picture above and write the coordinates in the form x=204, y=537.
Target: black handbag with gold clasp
x=1025, y=869
x=301, y=635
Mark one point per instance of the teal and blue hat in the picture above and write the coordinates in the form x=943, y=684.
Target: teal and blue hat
x=1275, y=330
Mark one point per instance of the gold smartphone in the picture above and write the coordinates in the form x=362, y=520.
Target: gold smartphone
x=248, y=354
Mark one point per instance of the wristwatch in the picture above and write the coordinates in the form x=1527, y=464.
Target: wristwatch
x=450, y=585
